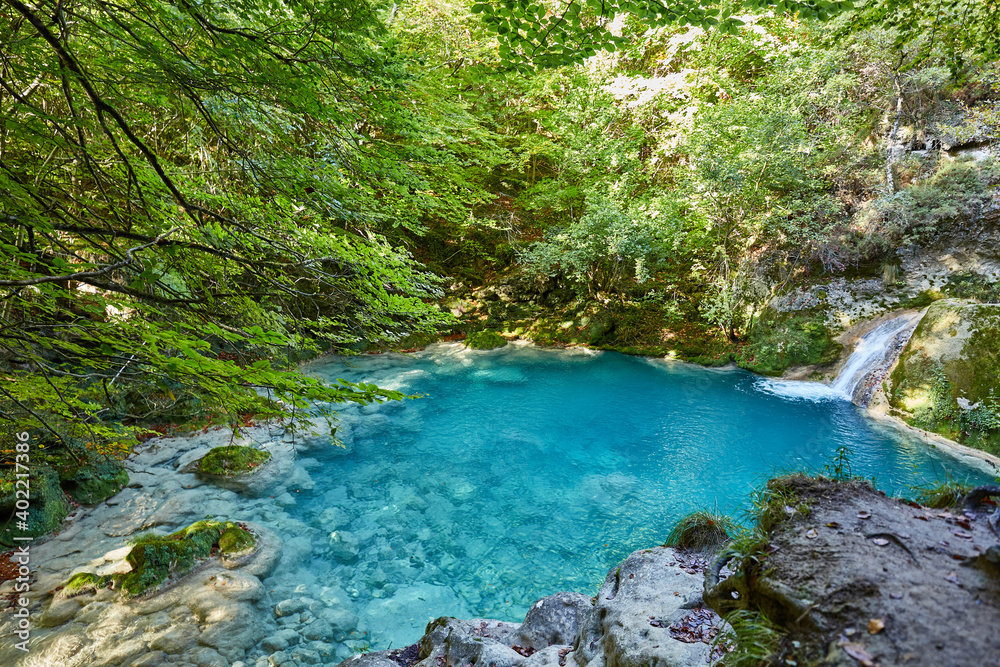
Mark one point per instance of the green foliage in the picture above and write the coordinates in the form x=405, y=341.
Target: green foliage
x=778, y=342
x=839, y=468
x=968, y=285
x=751, y=639
x=83, y=583
x=193, y=194
x=232, y=461
x=956, y=27
x=235, y=540
x=485, y=340
x=603, y=249
x=702, y=530
x=939, y=495
x=942, y=408
x=533, y=35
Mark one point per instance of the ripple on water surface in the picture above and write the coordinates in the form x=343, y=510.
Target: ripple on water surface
x=522, y=472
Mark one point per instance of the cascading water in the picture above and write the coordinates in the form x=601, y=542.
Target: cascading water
x=874, y=353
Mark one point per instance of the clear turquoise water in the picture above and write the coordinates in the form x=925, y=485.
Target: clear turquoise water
x=522, y=472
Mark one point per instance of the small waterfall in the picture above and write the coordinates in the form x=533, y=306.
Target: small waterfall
x=874, y=353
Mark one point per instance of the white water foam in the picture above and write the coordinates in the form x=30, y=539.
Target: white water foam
x=799, y=390
x=872, y=352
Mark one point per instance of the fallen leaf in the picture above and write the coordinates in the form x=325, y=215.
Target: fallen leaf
x=812, y=534
x=864, y=514
x=880, y=541
x=833, y=524
x=952, y=578
x=875, y=626
x=961, y=533
x=896, y=596
x=858, y=652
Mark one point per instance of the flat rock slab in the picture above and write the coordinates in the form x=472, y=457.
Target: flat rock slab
x=888, y=582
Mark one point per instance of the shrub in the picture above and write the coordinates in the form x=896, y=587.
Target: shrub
x=485, y=340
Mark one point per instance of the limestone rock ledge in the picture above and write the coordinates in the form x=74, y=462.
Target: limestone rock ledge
x=626, y=625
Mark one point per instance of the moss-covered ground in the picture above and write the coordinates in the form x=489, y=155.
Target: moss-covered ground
x=156, y=559
x=485, y=340
x=232, y=461
x=47, y=508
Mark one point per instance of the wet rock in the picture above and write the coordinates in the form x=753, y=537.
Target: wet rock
x=341, y=620
x=377, y=659
x=617, y=630
x=208, y=657
x=344, y=546
x=153, y=659
x=60, y=611
x=179, y=639
x=318, y=631
x=273, y=644
x=289, y=607
x=333, y=518
x=555, y=619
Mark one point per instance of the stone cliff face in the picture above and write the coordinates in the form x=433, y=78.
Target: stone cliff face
x=648, y=613
x=948, y=375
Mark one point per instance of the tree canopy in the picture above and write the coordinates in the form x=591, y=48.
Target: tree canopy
x=190, y=189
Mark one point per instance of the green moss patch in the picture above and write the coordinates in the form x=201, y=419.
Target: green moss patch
x=232, y=461
x=158, y=559
x=485, y=340
x=47, y=508
x=95, y=481
x=781, y=340
x=953, y=360
x=83, y=583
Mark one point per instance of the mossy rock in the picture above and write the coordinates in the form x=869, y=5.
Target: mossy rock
x=96, y=481
x=780, y=341
x=47, y=507
x=83, y=583
x=954, y=354
x=485, y=340
x=232, y=461
x=156, y=558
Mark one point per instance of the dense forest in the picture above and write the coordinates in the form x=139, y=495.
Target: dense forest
x=199, y=195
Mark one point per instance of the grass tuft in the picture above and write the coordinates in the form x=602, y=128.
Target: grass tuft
x=751, y=640
x=939, y=495
x=702, y=530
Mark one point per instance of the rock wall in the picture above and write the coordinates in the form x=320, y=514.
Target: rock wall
x=951, y=364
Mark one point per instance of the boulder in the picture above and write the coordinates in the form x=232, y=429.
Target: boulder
x=555, y=619
x=628, y=626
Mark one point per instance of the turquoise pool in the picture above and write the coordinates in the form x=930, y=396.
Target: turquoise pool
x=522, y=472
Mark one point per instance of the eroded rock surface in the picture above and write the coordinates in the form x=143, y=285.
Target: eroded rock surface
x=876, y=580
x=628, y=624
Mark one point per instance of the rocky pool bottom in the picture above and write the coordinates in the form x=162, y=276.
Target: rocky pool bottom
x=430, y=510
